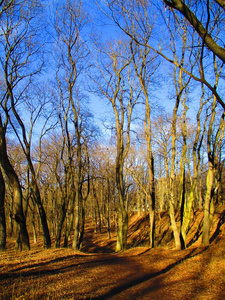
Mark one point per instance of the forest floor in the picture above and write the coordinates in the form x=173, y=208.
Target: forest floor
x=99, y=273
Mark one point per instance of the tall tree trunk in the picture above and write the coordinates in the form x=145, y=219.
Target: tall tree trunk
x=183, y=202
x=121, y=244
x=76, y=221
x=182, y=206
x=82, y=224
x=108, y=205
x=17, y=193
x=60, y=225
x=175, y=228
x=151, y=202
x=97, y=213
x=42, y=214
x=213, y=149
x=35, y=233
x=2, y=213
x=69, y=207
x=176, y=231
x=69, y=227
x=79, y=173
x=207, y=205
x=196, y=164
x=141, y=73
x=122, y=228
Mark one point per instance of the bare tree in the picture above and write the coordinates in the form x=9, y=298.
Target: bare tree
x=117, y=83
x=128, y=15
x=71, y=58
x=205, y=32
x=5, y=5
x=214, y=143
x=145, y=69
x=19, y=45
x=6, y=11
x=23, y=239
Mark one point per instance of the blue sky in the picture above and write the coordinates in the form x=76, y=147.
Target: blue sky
x=161, y=94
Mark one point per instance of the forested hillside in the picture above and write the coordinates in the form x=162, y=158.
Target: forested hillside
x=111, y=111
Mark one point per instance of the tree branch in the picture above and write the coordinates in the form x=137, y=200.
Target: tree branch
x=198, y=26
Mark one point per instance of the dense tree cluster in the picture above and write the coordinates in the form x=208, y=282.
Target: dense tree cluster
x=159, y=68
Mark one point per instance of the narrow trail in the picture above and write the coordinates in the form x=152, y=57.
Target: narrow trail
x=99, y=273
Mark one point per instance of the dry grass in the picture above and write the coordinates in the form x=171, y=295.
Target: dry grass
x=138, y=273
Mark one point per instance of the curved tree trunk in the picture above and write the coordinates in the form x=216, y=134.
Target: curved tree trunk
x=17, y=193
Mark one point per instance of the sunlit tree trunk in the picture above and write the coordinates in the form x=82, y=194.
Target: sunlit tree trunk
x=207, y=205
x=171, y=195
x=108, y=201
x=196, y=164
x=214, y=142
x=212, y=149
x=182, y=185
x=181, y=87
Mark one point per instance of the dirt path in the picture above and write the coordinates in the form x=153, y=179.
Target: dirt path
x=98, y=273
x=139, y=273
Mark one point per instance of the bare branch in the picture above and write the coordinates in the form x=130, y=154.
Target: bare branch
x=198, y=26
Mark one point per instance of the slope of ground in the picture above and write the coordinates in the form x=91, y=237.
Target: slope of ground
x=138, y=232
x=138, y=273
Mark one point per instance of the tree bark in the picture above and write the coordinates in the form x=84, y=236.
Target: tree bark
x=122, y=228
x=175, y=228
x=46, y=234
x=76, y=221
x=176, y=231
x=82, y=224
x=60, y=225
x=2, y=213
x=196, y=163
x=207, y=211
x=121, y=244
x=69, y=225
x=151, y=202
x=17, y=193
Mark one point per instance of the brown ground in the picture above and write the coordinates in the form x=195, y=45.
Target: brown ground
x=138, y=273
